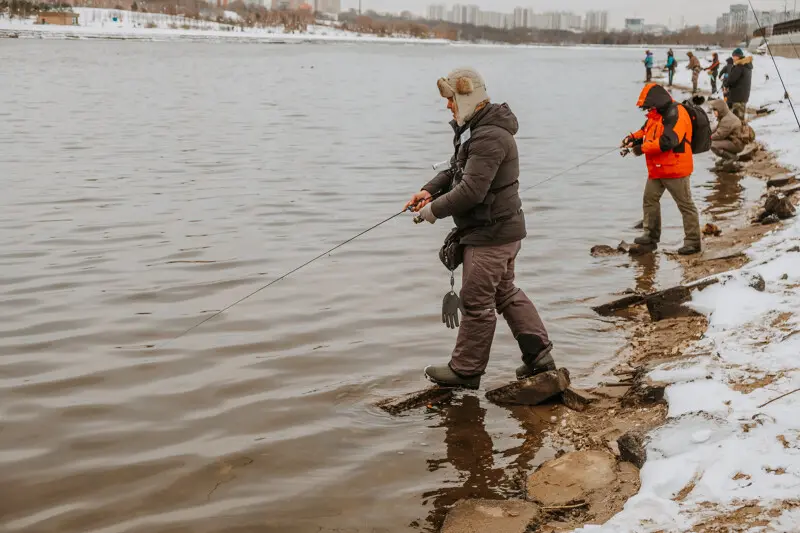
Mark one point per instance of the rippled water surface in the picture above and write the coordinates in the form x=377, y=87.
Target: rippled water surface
x=146, y=185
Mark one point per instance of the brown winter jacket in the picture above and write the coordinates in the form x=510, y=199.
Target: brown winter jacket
x=730, y=127
x=694, y=63
x=486, y=199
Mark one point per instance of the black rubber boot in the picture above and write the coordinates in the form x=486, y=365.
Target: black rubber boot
x=444, y=376
x=689, y=249
x=644, y=240
x=536, y=356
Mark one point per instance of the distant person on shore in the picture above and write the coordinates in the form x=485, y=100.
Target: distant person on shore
x=695, y=66
x=723, y=76
x=666, y=142
x=731, y=136
x=648, y=65
x=480, y=191
x=672, y=65
x=738, y=83
x=713, y=72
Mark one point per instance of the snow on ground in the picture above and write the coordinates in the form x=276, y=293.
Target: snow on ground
x=114, y=23
x=720, y=450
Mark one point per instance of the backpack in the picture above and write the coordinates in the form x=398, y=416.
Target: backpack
x=701, y=128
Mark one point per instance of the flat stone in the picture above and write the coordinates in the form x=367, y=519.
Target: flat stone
x=780, y=206
x=712, y=230
x=572, y=477
x=577, y=400
x=603, y=250
x=780, y=181
x=414, y=400
x=614, y=393
x=625, y=302
x=669, y=304
x=532, y=391
x=632, y=448
x=644, y=391
x=497, y=516
x=749, y=152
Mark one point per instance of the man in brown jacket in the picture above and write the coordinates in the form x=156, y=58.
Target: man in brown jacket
x=696, y=68
x=481, y=192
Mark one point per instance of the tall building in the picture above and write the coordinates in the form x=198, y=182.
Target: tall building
x=493, y=19
x=473, y=14
x=634, y=25
x=437, y=12
x=724, y=23
x=596, y=21
x=331, y=7
x=458, y=14
x=563, y=20
x=287, y=4
x=542, y=21
x=739, y=14
x=523, y=17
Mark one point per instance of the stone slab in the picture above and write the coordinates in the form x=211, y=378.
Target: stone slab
x=495, y=516
x=532, y=391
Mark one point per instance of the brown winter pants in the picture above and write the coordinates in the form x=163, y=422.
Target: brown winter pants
x=681, y=191
x=695, y=80
x=726, y=149
x=487, y=288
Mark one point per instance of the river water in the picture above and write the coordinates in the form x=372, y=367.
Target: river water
x=147, y=185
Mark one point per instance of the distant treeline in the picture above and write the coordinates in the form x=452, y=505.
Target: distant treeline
x=384, y=25
x=467, y=32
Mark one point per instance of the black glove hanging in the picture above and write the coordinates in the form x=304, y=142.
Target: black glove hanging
x=451, y=305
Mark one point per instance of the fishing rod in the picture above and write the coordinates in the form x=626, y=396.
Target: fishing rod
x=418, y=219
x=769, y=49
x=348, y=241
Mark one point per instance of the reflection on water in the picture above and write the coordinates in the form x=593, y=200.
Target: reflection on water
x=729, y=192
x=470, y=451
x=646, y=271
x=481, y=468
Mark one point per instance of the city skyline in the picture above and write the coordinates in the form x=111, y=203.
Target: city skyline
x=669, y=14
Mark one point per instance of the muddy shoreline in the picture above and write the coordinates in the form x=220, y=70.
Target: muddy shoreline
x=627, y=405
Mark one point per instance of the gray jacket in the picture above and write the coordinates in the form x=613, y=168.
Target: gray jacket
x=483, y=199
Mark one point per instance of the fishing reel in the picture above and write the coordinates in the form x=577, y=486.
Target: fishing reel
x=625, y=151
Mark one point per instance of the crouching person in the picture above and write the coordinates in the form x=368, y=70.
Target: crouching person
x=728, y=140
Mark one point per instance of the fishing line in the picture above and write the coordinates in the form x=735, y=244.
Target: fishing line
x=273, y=282
x=579, y=165
x=348, y=241
x=769, y=49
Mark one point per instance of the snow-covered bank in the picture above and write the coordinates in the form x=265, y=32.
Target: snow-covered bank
x=726, y=460
x=118, y=24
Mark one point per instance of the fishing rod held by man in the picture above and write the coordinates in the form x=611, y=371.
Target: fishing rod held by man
x=480, y=191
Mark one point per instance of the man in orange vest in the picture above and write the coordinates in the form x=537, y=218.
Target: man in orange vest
x=666, y=142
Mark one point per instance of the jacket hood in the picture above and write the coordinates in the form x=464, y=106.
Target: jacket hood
x=654, y=95
x=729, y=61
x=720, y=107
x=746, y=62
x=499, y=115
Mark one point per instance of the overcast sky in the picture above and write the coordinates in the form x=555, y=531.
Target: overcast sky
x=659, y=12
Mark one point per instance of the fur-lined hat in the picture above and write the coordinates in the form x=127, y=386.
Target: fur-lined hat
x=468, y=90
